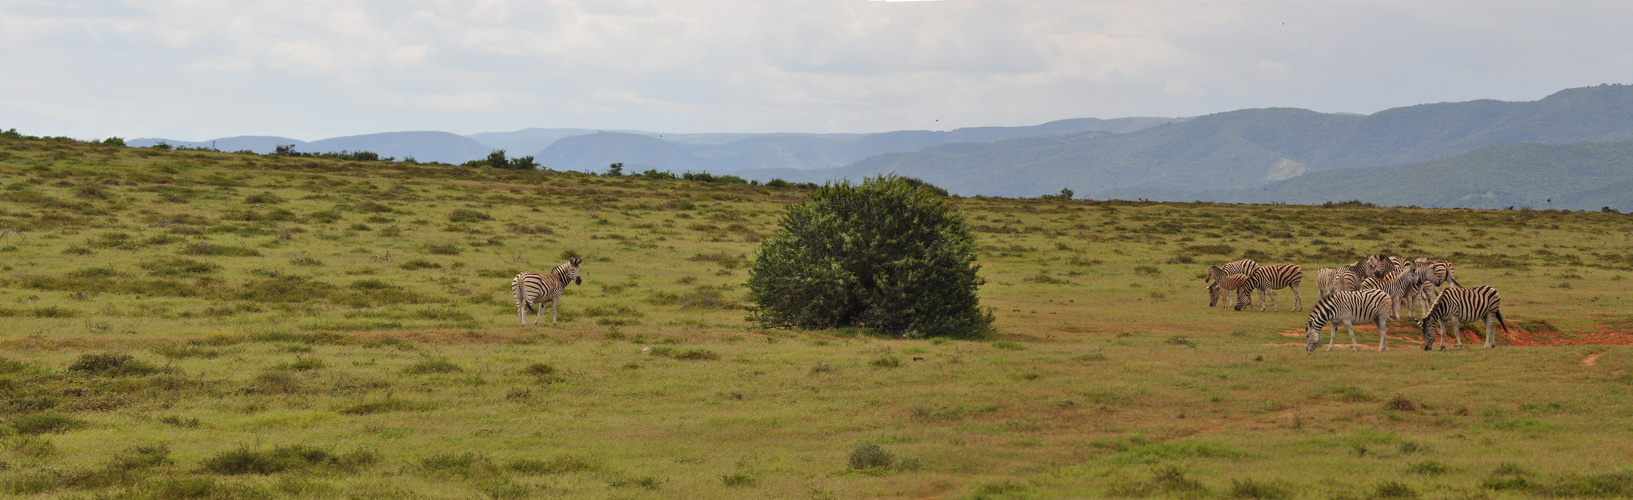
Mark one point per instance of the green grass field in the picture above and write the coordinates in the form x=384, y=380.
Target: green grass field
x=188, y=324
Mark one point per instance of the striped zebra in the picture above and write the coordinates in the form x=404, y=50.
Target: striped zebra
x=1268, y=279
x=1442, y=271
x=1347, y=307
x=1462, y=304
x=1244, y=267
x=530, y=288
x=1401, y=285
x=1325, y=282
x=1222, y=284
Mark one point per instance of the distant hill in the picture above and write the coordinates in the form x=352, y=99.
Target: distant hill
x=422, y=146
x=732, y=152
x=1248, y=148
x=1583, y=176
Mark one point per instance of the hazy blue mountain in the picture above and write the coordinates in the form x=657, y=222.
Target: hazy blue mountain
x=593, y=152
x=261, y=144
x=1247, y=148
x=732, y=152
x=1581, y=176
x=422, y=146
x=527, y=141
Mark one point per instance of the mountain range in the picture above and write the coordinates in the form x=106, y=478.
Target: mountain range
x=1566, y=150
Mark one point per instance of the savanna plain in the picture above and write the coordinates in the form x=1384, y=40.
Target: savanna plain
x=198, y=324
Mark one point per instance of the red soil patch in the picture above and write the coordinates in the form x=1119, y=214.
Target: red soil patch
x=1516, y=336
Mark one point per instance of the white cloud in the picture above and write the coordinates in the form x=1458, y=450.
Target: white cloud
x=311, y=69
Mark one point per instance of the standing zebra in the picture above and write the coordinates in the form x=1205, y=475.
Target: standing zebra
x=1222, y=284
x=1244, y=267
x=1462, y=304
x=532, y=288
x=1324, y=282
x=1347, y=308
x=1268, y=279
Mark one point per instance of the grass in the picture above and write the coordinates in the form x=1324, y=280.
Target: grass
x=294, y=354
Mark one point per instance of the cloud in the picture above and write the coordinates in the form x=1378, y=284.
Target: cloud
x=311, y=69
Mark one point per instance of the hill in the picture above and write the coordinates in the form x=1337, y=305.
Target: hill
x=422, y=146
x=731, y=152
x=1247, y=148
x=1586, y=176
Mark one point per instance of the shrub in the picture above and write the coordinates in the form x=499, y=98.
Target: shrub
x=884, y=255
x=111, y=365
x=870, y=456
x=702, y=354
x=46, y=423
x=433, y=366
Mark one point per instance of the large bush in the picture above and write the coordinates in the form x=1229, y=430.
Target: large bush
x=888, y=254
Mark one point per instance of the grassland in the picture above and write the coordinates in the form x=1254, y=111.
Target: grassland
x=187, y=324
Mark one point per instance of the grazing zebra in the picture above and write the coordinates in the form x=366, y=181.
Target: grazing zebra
x=1462, y=304
x=1347, y=307
x=1223, y=284
x=532, y=288
x=1268, y=279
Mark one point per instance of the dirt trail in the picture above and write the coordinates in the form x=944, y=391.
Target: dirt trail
x=1592, y=359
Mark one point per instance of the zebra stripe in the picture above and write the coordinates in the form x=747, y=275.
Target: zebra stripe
x=1268, y=279
x=1347, y=307
x=530, y=288
x=1462, y=304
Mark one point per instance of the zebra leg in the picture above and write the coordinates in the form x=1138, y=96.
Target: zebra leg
x=1383, y=332
x=521, y=313
x=1491, y=340
x=1333, y=339
x=1353, y=345
x=1298, y=299
x=1457, y=331
x=540, y=315
x=554, y=305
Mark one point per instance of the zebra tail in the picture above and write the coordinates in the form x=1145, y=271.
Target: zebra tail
x=1499, y=314
x=1454, y=281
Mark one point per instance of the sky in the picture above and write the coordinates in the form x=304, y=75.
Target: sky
x=198, y=70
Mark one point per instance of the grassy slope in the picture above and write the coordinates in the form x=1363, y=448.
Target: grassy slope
x=1109, y=378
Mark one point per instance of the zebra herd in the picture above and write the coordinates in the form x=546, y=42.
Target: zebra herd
x=1371, y=290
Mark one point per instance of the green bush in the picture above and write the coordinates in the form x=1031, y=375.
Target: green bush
x=885, y=255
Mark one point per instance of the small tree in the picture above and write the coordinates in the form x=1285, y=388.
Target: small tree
x=616, y=169
x=496, y=159
x=887, y=254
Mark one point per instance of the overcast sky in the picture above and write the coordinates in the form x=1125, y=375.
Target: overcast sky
x=195, y=70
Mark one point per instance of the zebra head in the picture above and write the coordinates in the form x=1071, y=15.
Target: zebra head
x=1213, y=294
x=573, y=263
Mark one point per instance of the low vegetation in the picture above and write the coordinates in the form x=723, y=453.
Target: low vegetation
x=354, y=336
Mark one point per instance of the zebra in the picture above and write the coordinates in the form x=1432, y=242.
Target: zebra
x=530, y=288
x=1442, y=271
x=1399, y=285
x=1244, y=267
x=1268, y=279
x=1223, y=284
x=1459, y=304
x=1324, y=282
x=1347, y=307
